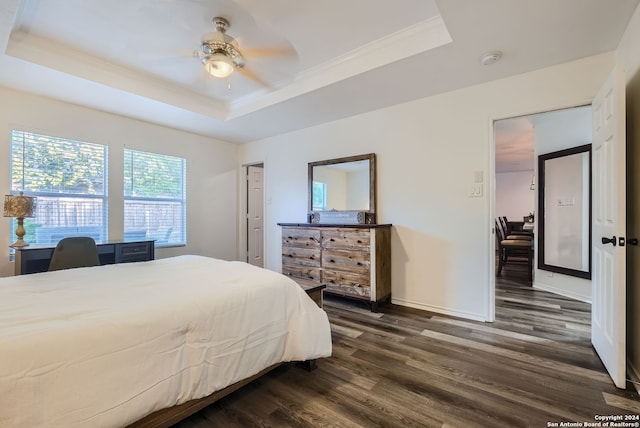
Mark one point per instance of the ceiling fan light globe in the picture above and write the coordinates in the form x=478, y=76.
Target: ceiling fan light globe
x=219, y=65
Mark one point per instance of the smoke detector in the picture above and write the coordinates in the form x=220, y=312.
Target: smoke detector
x=489, y=58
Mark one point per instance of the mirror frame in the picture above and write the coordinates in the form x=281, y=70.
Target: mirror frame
x=541, y=215
x=371, y=157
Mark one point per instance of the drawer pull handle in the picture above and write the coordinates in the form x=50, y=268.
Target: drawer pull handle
x=331, y=261
x=359, y=241
x=359, y=264
x=312, y=257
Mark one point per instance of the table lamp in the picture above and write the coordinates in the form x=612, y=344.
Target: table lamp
x=19, y=206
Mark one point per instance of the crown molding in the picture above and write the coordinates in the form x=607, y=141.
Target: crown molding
x=41, y=51
x=413, y=40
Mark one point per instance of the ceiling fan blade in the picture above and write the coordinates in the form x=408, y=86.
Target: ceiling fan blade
x=287, y=51
x=251, y=75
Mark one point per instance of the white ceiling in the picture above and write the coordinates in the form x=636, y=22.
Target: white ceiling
x=135, y=58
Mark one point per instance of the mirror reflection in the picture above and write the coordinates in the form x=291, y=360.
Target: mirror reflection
x=341, y=186
x=565, y=208
x=343, y=190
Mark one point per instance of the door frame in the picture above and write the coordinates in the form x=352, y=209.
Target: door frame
x=491, y=296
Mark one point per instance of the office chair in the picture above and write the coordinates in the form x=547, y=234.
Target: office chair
x=74, y=252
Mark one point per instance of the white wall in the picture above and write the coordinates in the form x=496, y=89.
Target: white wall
x=514, y=197
x=629, y=56
x=428, y=151
x=211, y=168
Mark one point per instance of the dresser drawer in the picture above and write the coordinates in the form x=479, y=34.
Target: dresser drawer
x=352, y=239
x=351, y=279
x=301, y=256
x=349, y=290
x=303, y=238
x=311, y=275
x=351, y=261
x=134, y=252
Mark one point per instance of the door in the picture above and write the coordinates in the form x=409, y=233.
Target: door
x=255, y=215
x=609, y=214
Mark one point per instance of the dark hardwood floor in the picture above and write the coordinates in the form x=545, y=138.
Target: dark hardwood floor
x=533, y=367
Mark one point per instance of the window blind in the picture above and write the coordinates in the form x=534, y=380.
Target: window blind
x=68, y=178
x=154, y=197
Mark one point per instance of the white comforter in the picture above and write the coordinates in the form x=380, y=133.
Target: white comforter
x=104, y=346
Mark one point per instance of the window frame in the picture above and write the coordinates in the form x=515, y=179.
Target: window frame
x=16, y=135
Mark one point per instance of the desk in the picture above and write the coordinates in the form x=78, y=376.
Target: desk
x=36, y=258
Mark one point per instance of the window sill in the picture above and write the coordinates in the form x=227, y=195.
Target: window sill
x=170, y=245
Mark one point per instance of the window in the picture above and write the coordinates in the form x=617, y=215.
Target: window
x=68, y=178
x=154, y=197
x=319, y=192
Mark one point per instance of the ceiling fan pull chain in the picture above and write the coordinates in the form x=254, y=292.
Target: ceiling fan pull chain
x=229, y=85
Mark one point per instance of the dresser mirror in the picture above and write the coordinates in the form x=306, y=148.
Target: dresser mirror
x=343, y=190
x=564, y=212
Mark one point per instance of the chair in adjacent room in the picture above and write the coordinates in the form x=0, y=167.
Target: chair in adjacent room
x=500, y=223
x=511, y=231
x=514, y=251
x=74, y=252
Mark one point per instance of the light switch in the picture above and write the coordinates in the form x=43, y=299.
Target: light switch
x=476, y=191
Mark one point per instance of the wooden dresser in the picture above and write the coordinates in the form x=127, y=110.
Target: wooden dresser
x=351, y=260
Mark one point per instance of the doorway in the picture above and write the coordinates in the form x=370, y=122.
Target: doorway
x=518, y=141
x=607, y=289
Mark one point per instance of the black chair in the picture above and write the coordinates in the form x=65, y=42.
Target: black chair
x=511, y=231
x=74, y=252
x=514, y=251
x=500, y=222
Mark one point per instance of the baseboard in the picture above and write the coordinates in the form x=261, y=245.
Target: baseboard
x=438, y=309
x=561, y=292
x=634, y=375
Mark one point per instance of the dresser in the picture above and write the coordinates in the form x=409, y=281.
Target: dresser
x=36, y=258
x=350, y=260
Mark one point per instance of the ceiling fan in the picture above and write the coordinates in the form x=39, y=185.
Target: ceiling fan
x=221, y=56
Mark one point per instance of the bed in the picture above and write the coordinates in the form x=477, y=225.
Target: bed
x=106, y=346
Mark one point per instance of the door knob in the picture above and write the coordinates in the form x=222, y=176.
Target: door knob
x=611, y=241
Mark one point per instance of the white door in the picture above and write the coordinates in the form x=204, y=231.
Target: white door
x=608, y=246
x=255, y=214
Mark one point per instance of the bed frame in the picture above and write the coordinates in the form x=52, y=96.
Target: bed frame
x=165, y=418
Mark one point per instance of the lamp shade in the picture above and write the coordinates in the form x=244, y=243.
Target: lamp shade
x=219, y=65
x=19, y=206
